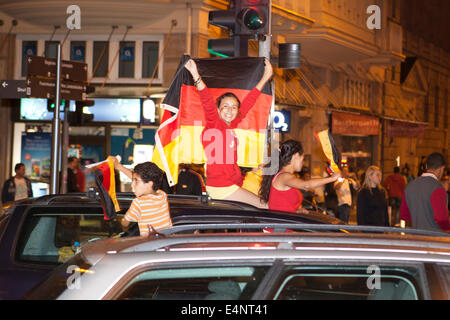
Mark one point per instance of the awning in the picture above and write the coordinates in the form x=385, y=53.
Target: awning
x=354, y=124
x=401, y=129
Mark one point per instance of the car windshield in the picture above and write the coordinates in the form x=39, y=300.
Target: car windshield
x=53, y=235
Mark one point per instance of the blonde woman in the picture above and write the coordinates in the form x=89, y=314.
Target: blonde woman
x=371, y=206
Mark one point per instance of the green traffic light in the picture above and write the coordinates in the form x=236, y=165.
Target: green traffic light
x=53, y=104
x=252, y=19
x=217, y=53
x=210, y=50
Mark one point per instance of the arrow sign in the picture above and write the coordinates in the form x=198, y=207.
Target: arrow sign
x=46, y=88
x=13, y=89
x=46, y=67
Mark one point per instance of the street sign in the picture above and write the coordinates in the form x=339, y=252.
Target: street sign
x=46, y=88
x=13, y=89
x=46, y=67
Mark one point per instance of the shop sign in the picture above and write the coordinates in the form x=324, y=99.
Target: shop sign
x=399, y=129
x=282, y=120
x=43, y=88
x=13, y=89
x=354, y=124
x=46, y=67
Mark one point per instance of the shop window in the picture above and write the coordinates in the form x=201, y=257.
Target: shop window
x=127, y=58
x=78, y=51
x=51, y=49
x=100, y=58
x=150, y=53
x=29, y=48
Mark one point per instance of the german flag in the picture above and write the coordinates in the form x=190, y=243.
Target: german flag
x=334, y=157
x=178, y=139
x=106, y=184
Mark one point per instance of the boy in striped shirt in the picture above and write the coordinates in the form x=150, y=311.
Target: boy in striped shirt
x=150, y=207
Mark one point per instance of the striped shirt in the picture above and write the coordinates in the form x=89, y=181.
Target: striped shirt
x=151, y=209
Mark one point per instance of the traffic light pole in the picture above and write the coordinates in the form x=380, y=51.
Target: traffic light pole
x=56, y=128
x=65, y=149
x=264, y=45
x=241, y=45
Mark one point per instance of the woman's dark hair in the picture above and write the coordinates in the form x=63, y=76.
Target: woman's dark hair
x=285, y=153
x=148, y=171
x=228, y=95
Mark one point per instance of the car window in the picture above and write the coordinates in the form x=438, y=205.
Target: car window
x=65, y=276
x=348, y=283
x=211, y=283
x=53, y=237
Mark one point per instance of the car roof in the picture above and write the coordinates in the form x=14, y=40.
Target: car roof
x=368, y=240
x=126, y=197
x=197, y=205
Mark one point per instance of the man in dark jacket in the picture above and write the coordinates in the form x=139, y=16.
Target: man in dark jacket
x=72, y=185
x=17, y=187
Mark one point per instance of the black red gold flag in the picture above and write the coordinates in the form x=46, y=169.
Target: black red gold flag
x=329, y=148
x=178, y=137
x=105, y=181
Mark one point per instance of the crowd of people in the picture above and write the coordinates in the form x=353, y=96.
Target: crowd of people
x=422, y=202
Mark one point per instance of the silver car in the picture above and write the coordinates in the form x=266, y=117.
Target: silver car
x=324, y=262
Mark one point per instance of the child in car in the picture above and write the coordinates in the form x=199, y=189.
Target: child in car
x=150, y=208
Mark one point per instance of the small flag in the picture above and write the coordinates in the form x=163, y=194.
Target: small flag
x=106, y=183
x=329, y=148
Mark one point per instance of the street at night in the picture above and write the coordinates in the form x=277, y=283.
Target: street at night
x=193, y=150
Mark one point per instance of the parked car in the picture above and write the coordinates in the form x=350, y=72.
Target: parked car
x=38, y=234
x=371, y=263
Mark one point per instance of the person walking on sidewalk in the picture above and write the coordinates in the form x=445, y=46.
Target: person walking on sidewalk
x=395, y=185
x=17, y=187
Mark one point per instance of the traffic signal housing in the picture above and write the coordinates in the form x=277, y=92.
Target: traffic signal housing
x=79, y=118
x=51, y=105
x=225, y=19
x=244, y=20
x=253, y=17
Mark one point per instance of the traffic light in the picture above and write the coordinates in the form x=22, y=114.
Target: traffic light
x=253, y=17
x=79, y=118
x=225, y=19
x=246, y=19
x=51, y=105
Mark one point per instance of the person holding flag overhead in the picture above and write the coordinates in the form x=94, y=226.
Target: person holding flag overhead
x=223, y=176
x=281, y=191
